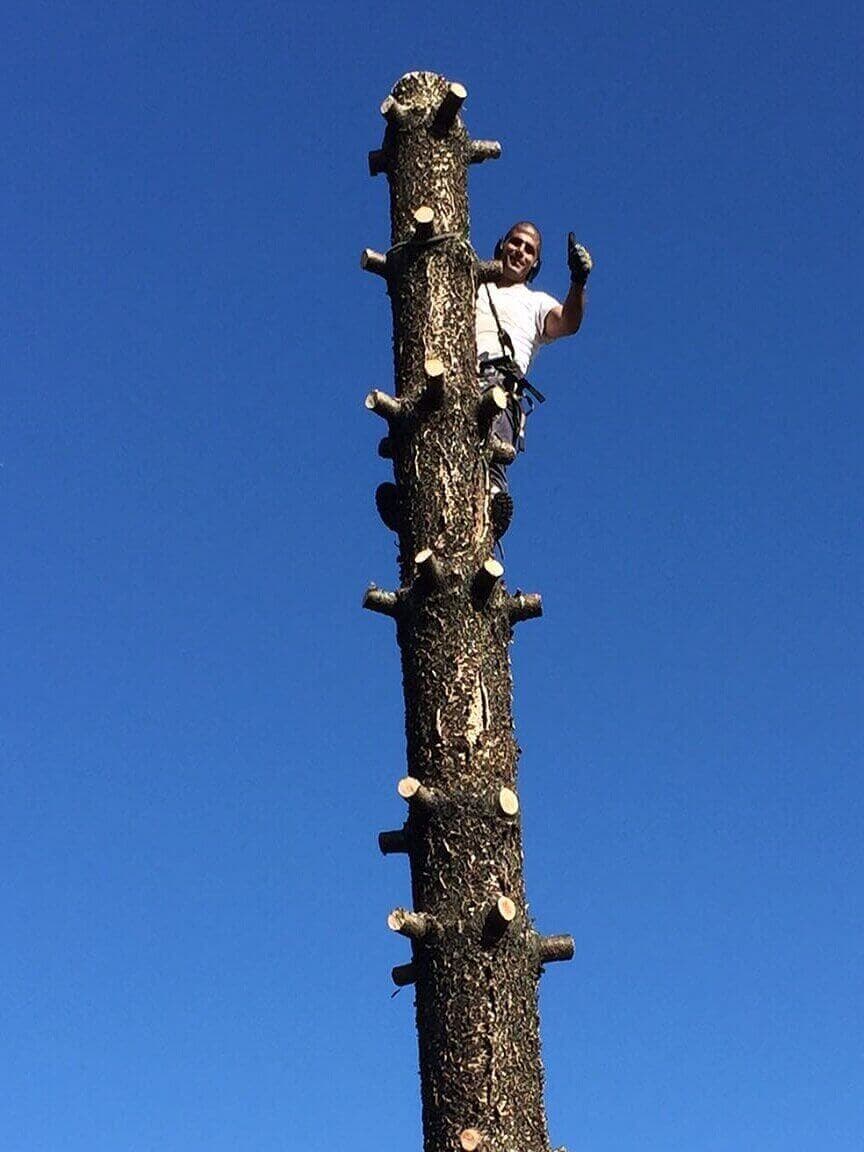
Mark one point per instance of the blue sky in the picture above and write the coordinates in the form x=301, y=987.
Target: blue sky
x=201, y=731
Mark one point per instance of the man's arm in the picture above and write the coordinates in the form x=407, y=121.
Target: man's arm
x=566, y=318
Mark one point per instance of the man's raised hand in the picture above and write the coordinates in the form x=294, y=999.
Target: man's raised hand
x=578, y=261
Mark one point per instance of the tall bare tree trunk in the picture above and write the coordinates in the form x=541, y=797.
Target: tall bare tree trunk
x=476, y=957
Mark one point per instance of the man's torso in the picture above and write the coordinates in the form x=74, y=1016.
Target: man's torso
x=522, y=312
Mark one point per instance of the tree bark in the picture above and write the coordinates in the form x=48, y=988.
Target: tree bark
x=476, y=975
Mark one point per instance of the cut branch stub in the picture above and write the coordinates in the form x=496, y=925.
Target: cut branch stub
x=491, y=404
x=434, y=371
x=524, y=606
x=502, y=452
x=379, y=161
x=385, y=603
x=470, y=1139
x=486, y=578
x=449, y=107
x=500, y=916
x=414, y=925
x=384, y=405
x=393, y=843
x=554, y=948
x=394, y=112
x=430, y=571
x=424, y=221
x=385, y=448
x=403, y=975
x=486, y=270
x=372, y=261
x=508, y=802
x=410, y=789
x=480, y=150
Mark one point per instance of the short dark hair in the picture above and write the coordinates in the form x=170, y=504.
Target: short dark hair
x=526, y=224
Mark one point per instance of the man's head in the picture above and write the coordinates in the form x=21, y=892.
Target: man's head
x=520, y=252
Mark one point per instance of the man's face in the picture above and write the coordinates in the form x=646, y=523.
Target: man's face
x=519, y=254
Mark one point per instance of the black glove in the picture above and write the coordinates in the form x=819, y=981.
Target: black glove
x=578, y=261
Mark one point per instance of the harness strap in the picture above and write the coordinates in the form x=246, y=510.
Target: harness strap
x=504, y=340
x=509, y=354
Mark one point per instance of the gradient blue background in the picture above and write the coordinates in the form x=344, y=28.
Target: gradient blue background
x=201, y=731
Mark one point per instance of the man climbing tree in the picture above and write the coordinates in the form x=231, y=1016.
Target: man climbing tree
x=511, y=322
x=476, y=957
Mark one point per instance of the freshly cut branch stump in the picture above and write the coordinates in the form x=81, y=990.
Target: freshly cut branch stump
x=491, y=404
x=433, y=393
x=448, y=109
x=488, y=575
x=470, y=1140
x=424, y=219
x=508, y=801
x=413, y=791
x=501, y=914
x=431, y=571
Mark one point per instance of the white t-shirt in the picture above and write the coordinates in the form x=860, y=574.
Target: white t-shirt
x=522, y=313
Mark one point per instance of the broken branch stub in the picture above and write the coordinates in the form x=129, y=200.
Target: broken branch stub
x=403, y=975
x=379, y=161
x=382, y=602
x=414, y=925
x=502, y=452
x=524, y=606
x=480, y=150
x=384, y=405
x=393, y=842
x=552, y=949
x=487, y=271
x=393, y=112
x=372, y=261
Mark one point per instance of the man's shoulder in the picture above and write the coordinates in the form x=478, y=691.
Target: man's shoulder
x=540, y=296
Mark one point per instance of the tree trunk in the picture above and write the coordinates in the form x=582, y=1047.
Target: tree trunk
x=476, y=956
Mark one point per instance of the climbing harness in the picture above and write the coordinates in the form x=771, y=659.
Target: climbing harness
x=522, y=392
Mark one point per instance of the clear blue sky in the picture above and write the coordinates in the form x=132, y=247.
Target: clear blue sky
x=201, y=731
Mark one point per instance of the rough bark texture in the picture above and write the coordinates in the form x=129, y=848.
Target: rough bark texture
x=476, y=975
